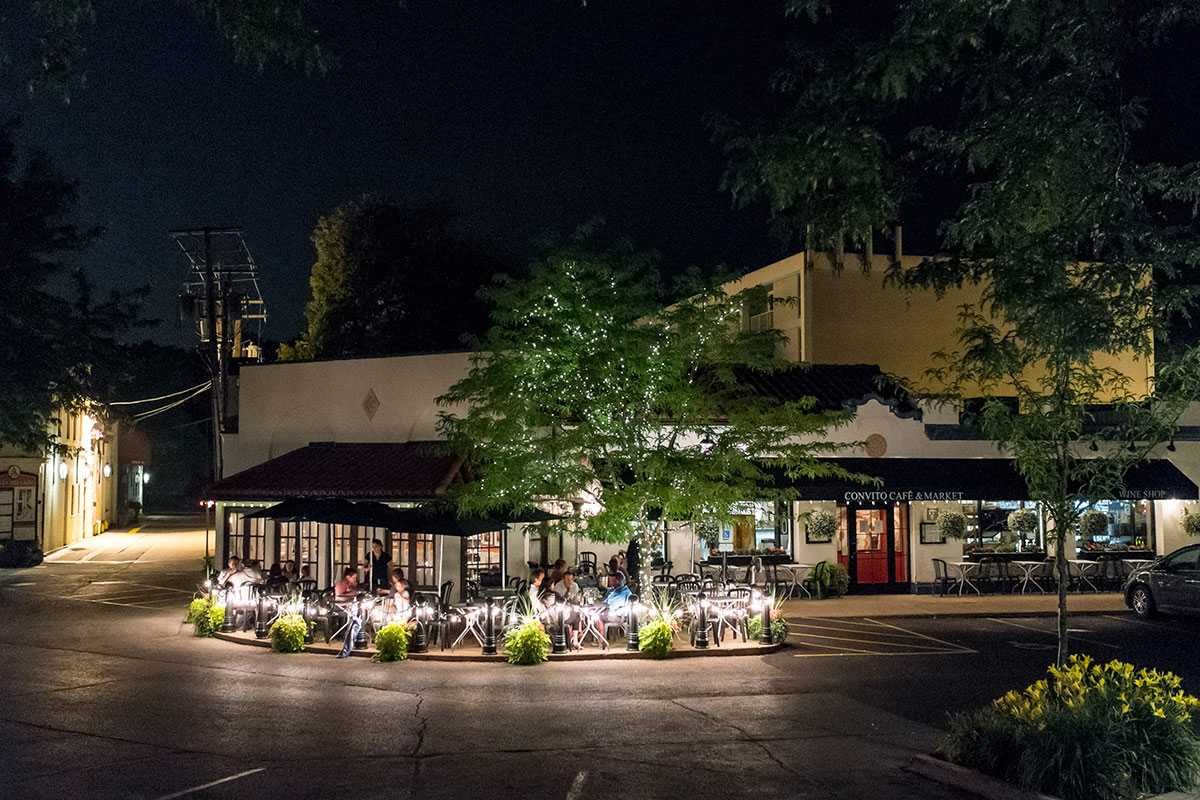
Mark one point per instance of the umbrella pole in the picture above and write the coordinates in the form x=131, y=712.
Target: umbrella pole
x=504, y=558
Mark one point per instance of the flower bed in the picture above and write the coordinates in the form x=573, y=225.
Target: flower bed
x=1087, y=732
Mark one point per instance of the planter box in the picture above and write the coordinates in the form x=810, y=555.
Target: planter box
x=944, y=772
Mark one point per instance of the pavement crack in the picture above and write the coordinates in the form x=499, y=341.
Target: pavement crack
x=424, y=720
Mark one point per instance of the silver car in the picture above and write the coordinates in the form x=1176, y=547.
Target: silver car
x=1170, y=585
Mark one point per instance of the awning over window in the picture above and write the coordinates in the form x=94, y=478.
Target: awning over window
x=354, y=471
x=950, y=479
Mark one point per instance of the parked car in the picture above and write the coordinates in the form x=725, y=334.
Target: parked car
x=1170, y=585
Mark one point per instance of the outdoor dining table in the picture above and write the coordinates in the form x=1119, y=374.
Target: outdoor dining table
x=966, y=569
x=1027, y=568
x=1087, y=571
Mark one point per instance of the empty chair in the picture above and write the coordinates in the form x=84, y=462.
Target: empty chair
x=943, y=578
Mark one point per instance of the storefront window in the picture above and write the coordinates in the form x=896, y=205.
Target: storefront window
x=483, y=558
x=1130, y=525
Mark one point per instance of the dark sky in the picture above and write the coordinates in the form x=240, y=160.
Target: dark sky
x=526, y=115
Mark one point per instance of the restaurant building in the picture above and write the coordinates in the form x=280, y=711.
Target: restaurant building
x=364, y=429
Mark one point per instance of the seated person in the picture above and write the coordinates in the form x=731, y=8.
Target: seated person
x=347, y=588
x=289, y=571
x=566, y=589
x=253, y=572
x=536, y=605
x=275, y=574
x=399, y=600
x=235, y=566
x=556, y=572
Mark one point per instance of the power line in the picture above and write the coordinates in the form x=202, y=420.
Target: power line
x=181, y=401
x=164, y=397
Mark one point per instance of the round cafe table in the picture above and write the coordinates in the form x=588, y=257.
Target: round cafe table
x=1027, y=568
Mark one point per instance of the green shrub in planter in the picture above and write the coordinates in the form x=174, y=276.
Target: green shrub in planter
x=200, y=616
x=527, y=643
x=1191, y=524
x=779, y=626
x=656, y=637
x=287, y=634
x=392, y=642
x=952, y=525
x=1092, y=524
x=1088, y=732
x=830, y=579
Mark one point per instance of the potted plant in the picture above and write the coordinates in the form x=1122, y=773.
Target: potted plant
x=1191, y=524
x=1092, y=523
x=819, y=526
x=1024, y=523
x=952, y=525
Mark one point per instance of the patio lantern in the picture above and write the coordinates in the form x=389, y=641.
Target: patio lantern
x=489, y=628
x=765, y=637
x=229, y=624
x=559, y=640
x=361, y=642
x=702, y=623
x=420, y=643
x=306, y=614
x=260, y=617
x=634, y=609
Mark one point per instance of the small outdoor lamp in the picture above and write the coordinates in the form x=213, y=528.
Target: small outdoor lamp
x=489, y=628
x=260, y=617
x=560, y=631
x=420, y=642
x=765, y=637
x=229, y=624
x=306, y=614
x=634, y=609
x=360, y=636
x=702, y=623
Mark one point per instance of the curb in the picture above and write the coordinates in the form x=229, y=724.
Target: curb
x=965, y=614
x=939, y=771
x=609, y=655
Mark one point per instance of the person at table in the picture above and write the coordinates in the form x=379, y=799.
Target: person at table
x=275, y=574
x=536, y=605
x=615, y=576
x=347, y=588
x=378, y=565
x=233, y=568
x=556, y=572
x=566, y=589
x=289, y=571
x=252, y=572
x=399, y=600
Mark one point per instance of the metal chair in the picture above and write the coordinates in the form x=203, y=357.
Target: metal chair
x=942, y=576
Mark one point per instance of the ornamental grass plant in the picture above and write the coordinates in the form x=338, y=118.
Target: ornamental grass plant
x=527, y=643
x=656, y=636
x=392, y=642
x=287, y=634
x=1086, y=732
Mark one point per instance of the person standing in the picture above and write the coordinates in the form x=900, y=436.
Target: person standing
x=378, y=563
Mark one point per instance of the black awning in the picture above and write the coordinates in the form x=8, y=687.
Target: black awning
x=950, y=479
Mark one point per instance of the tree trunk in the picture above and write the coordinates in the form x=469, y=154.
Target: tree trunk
x=1060, y=559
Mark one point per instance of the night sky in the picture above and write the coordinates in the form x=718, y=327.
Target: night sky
x=527, y=116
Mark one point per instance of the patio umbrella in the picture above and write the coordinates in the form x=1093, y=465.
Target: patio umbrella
x=441, y=520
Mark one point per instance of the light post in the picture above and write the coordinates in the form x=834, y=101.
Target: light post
x=559, y=640
x=632, y=642
x=765, y=637
x=489, y=629
x=420, y=642
x=229, y=624
x=260, y=617
x=701, y=623
x=308, y=622
x=360, y=636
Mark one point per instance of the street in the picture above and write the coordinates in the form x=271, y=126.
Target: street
x=106, y=694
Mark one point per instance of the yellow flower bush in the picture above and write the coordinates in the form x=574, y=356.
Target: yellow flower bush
x=1086, y=732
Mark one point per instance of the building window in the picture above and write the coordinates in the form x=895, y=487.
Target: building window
x=483, y=558
x=760, y=314
x=1130, y=525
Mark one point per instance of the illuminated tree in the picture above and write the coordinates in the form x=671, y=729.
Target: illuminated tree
x=589, y=389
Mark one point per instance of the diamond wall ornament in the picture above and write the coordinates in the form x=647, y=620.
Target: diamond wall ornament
x=370, y=404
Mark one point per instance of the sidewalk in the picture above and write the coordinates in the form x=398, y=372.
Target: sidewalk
x=993, y=605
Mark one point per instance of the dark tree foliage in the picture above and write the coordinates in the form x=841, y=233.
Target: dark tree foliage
x=61, y=345
x=1077, y=247
x=391, y=279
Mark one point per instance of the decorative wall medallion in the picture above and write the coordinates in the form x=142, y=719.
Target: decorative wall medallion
x=370, y=404
x=14, y=472
x=876, y=445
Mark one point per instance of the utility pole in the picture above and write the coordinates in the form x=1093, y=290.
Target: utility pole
x=220, y=297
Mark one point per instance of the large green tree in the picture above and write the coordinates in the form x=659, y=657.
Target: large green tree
x=1075, y=242
x=589, y=388
x=390, y=278
x=61, y=343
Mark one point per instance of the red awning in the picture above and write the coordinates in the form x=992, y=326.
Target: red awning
x=368, y=471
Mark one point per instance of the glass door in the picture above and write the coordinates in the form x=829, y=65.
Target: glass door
x=872, y=545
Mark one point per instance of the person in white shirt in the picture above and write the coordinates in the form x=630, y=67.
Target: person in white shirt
x=567, y=589
x=536, y=605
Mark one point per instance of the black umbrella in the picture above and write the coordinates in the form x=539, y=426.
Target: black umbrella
x=311, y=509
x=441, y=520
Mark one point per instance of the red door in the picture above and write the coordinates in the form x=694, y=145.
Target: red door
x=871, y=544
